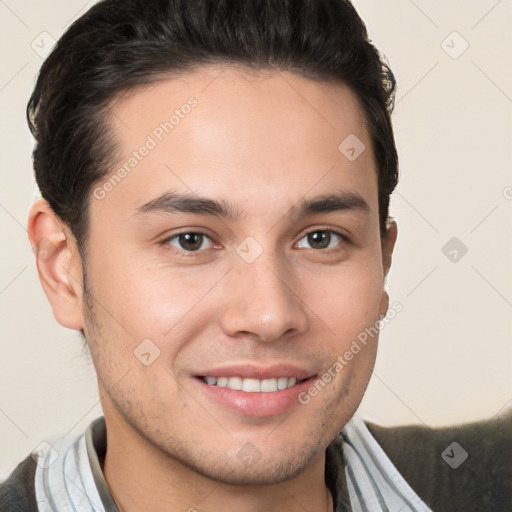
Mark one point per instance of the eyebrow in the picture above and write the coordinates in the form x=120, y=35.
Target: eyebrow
x=335, y=202
x=171, y=202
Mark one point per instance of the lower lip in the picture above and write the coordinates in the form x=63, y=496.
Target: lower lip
x=256, y=404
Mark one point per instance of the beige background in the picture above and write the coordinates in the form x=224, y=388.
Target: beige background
x=447, y=356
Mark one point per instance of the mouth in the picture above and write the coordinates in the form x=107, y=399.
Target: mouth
x=256, y=391
x=250, y=385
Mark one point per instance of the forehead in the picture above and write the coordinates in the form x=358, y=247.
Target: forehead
x=223, y=132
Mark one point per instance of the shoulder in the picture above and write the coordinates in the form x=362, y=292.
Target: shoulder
x=466, y=467
x=17, y=493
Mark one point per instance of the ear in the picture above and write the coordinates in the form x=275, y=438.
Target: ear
x=58, y=264
x=388, y=244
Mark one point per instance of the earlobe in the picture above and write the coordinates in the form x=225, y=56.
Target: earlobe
x=58, y=264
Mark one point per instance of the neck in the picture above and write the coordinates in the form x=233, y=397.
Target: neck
x=142, y=477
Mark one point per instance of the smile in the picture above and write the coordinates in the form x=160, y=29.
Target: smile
x=252, y=385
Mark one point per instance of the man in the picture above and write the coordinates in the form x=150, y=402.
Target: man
x=215, y=183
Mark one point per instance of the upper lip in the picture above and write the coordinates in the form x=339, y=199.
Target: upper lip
x=251, y=371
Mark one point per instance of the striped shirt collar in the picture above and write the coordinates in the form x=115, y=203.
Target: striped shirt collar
x=357, y=471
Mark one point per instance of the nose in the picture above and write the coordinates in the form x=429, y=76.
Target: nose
x=262, y=301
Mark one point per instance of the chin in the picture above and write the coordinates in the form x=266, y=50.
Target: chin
x=266, y=470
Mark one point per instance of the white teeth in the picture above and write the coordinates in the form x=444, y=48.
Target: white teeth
x=252, y=385
x=269, y=385
x=282, y=383
x=222, y=382
x=235, y=383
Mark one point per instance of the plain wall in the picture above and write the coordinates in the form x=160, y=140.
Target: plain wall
x=446, y=357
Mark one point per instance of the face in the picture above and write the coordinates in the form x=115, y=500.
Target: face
x=240, y=249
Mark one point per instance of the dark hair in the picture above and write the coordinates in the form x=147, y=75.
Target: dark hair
x=121, y=44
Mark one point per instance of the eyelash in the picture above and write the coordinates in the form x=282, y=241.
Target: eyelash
x=185, y=253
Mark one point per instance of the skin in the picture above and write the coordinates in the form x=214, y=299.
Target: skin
x=262, y=143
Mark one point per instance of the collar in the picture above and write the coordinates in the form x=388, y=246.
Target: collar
x=358, y=473
x=96, y=442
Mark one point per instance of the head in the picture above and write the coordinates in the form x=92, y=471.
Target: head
x=215, y=185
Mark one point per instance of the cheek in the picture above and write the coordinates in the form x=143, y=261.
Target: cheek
x=150, y=299
x=346, y=300
x=169, y=307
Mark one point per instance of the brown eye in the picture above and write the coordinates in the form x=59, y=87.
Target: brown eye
x=320, y=239
x=190, y=242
